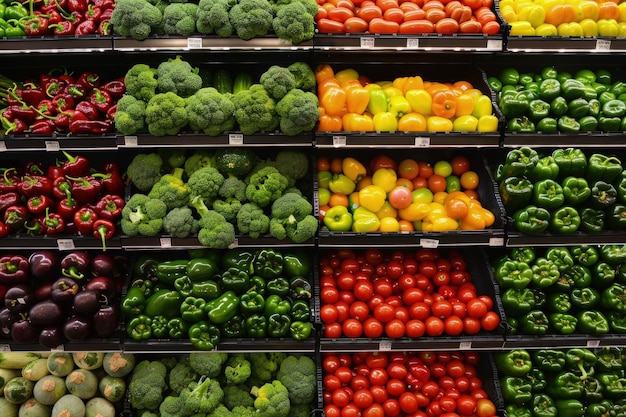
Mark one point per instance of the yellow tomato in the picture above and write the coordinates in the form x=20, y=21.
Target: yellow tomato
x=389, y=224
x=414, y=212
x=465, y=123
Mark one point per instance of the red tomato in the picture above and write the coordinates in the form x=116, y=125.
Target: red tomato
x=363, y=290
x=345, y=281
x=402, y=314
x=463, y=384
x=346, y=297
x=374, y=410
x=395, y=329
x=466, y=404
x=340, y=398
x=332, y=330
x=384, y=312
x=445, y=383
x=455, y=368
x=359, y=310
x=378, y=376
x=329, y=295
x=471, y=326
x=373, y=256
x=412, y=295
x=442, y=309
x=331, y=382
x=352, y=328
x=343, y=311
x=359, y=382
x=428, y=268
x=373, y=328
x=395, y=387
x=434, y=326
x=351, y=410
x=459, y=309
x=487, y=300
x=377, y=360
x=448, y=404
x=397, y=370
x=391, y=407
x=476, y=308
x=330, y=363
x=485, y=408
x=415, y=328
x=328, y=313
x=408, y=402
x=331, y=410
x=374, y=301
x=383, y=287
x=344, y=373
x=490, y=321
x=453, y=326
x=458, y=277
x=430, y=389
x=362, y=398
x=379, y=393
x=438, y=369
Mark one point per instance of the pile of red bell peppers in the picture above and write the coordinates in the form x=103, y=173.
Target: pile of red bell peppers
x=60, y=103
x=68, y=197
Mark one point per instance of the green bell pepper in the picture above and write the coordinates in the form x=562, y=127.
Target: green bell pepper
x=159, y=328
x=15, y=11
x=301, y=311
x=267, y=263
x=513, y=410
x=145, y=285
x=513, y=274
x=545, y=273
x=525, y=78
x=541, y=300
x=548, y=194
x=300, y=288
x=603, y=408
x=593, y=322
x=618, y=88
x=578, y=108
x=300, y=330
x=235, y=280
x=532, y=220
x=184, y=286
x=515, y=192
x=520, y=124
x=278, y=325
x=240, y=258
x=621, y=188
x=516, y=390
x=537, y=379
x=609, y=124
x=494, y=84
x=549, y=89
x=581, y=360
x=572, y=89
x=169, y=271
x=617, y=321
x=614, y=297
x=571, y=162
x=517, y=302
x=561, y=257
x=568, y=124
x=575, y=190
x=257, y=284
x=275, y=304
x=297, y=264
x=223, y=308
x=204, y=335
x=595, y=107
x=145, y=267
x=603, y=167
x=564, y=385
x=206, y=289
x=585, y=255
x=163, y=302
x=614, y=386
x=139, y=327
x=133, y=303
x=519, y=161
x=563, y=323
x=609, y=359
x=534, y=322
x=593, y=390
x=570, y=408
x=588, y=123
x=278, y=286
x=509, y=76
x=234, y=328
x=547, y=125
x=613, y=254
x=585, y=298
x=592, y=220
x=603, y=275
x=523, y=255
x=538, y=109
x=178, y=328
x=192, y=309
x=514, y=362
x=616, y=217
x=544, y=406
x=546, y=168
x=565, y=220
x=558, y=107
x=256, y=326
x=201, y=269
x=614, y=108
x=579, y=276
x=559, y=302
x=552, y=360
x=251, y=303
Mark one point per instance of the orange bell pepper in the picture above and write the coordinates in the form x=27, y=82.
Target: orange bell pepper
x=357, y=99
x=354, y=122
x=464, y=105
x=322, y=72
x=334, y=101
x=444, y=103
x=353, y=168
x=329, y=123
x=412, y=122
x=420, y=100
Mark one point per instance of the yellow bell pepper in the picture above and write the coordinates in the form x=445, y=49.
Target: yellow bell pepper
x=520, y=4
x=353, y=201
x=546, y=30
x=608, y=27
x=412, y=122
x=521, y=28
x=389, y=225
x=532, y=13
x=355, y=122
x=353, y=169
x=439, y=124
x=387, y=210
x=364, y=221
x=621, y=28
x=392, y=92
x=587, y=9
x=414, y=212
x=385, y=178
x=399, y=106
x=440, y=224
x=482, y=106
x=508, y=13
x=572, y=30
x=590, y=28
x=372, y=197
x=622, y=12
x=346, y=74
x=466, y=123
x=488, y=124
x=378, y=100
x=340, y=183
x=420, y=100
x=464, y=105
x=385, y=122
x=323, y=196
x=357, y=99
x=334, y=101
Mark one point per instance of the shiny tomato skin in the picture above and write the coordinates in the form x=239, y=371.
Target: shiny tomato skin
x=428, y=268
x=384, y=312
x=383, y=287
x=395, y=329
x=397, y=370
x=363, y=290
x=434, y=326
x=373, y=328
x=329, y=295
x=352, y=328
x=362, y=398
x=359, y=382
x=331, y=382
x=471, y=326
x=466, y=404
x=373, y=256
x=332, y=330
x=343, y=311
x=408, y=402
x=379, y=393
x=415, y=329
x=328, y=314
x=340, y=398
x=391, y=407
x=330, y=363
x=345, y=281
x=350, y=410
x=331, y=410
x=411, y=266
x=359, y=310
x=490, y=321
x=476, y=308
x=412, y=295
x=378, y=376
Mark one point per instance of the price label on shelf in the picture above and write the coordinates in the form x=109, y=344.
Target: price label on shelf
x=194, y=43
x=65, y=244
x=494, y=44
x=496, y=241
x=284, y=42
x=422, y=142
x=165, y=242
x=59, y=348
x=52, y=146
x=339, y=141
x=429, y=243
x=465, y=345
x=235, y=139
x=234, y=245
x=603, y=45
x=368, y=43
x=5, y=348
x=412, y=43
x=384, y=346
x=3, y=146
x=593, y=343
x=130, y=141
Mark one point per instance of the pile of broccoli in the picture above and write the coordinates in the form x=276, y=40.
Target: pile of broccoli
x=215, y=384
x=248, y=19
x=199, y=194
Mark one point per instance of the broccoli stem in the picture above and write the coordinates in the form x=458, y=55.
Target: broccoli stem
x=178, y=173
x=198, y=203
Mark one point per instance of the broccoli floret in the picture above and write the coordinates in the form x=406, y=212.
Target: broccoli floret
x=298, y=112
x=136, y=18
x=210, y=112
x=237, y=396
x=278, y=81
x=213, y=17
x=172, y=158
x=265, y=365
x=233, y=187
x=181, y=376
x=146, y=386
x=251, y=18
x=237, y=369
x=291, y=217
x=180, y=18
x=201, y=397
x=221, y=411
x=199, y=159
x=241, y=411
x=205, y=182
x=130, y=115
x=171, y=189
x=178, y=76
x=265, y=186
x=252, y=220
x=228, y=208
x=207, y=363
x=166, y=114
x=143, y=215
x=300, y=410
x=298, y=374
x=170, y=362
x=272, y=400
x=255, y=110
x=144, y=170
x=310, y=5
x=147, y=413
x=170, y=407
x=292, y=164
x=180, y=223
x=215, y=232
x=140, y=81
x=305, y=77
x=294, y=23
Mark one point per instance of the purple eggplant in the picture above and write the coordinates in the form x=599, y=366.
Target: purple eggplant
x=106, y=320
x=77, y=328
x=46, y=313
x=76, y=264
x=23, y=331
x=88, y=302
x=64, y=290
x=51, y=337
x=44, y=265
x=19, y=299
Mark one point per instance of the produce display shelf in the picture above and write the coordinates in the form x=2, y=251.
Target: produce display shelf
x=566, y=341
x=169, y=242
x=579, y=140
x=199, y=140
x=406, y=140
x=55, y=143
x=199, y=42
x=367, y=43
x=404, y=345
x=564, y=44
x=489, y=237
x=60, y=242
x=517, y=239
x=110, y=344
x=225, y=345
x=56, y=44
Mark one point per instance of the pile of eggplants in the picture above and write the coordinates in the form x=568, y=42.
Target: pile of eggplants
x=53, y=297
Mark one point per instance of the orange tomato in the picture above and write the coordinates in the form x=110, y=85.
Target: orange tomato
x=406, y=226
x=330, y=26
x=416, y=14
x=470, y=26
x=435, y=15
x=340, y=14
x=338, y=199
x=416, y=27
x=336, y=165
x=368, y=13
x=355, y=25
x=433, y=4
x=322, y=13
x=447, y=26
x=404, y=182
x=323, y=164
x=394, y=14
x=437, y=183
x=364, y=182
x=382, y=161
x=345, y=3
x=469, y=180
x=329, y=123
x=454, y=4
x=399, y=197
x=491, y=28
x=408, y=6
x=484, y=15
x=472, y=194
x=420, y=182
x=381, y=26
x=425, y=169
x=461, y=14
x=474, y=4
x=408, y=168
x=456, y=208
x=386, y=4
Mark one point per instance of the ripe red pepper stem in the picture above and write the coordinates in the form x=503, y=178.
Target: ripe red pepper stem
x=103, y=229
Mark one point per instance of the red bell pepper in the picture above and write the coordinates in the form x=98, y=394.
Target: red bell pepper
x=104, y=230
x=36, y=25
x=67, y=207
x=24, y=112
x=53, y=223
x=32, y=94
x=104, y=27
x=86, y=27
x=15, y=217
x=53, y=172
x=104, y=4
x=60, y=187
x=32, y=185
x=33, y=167
x=35, y=226
x=111, y=112
x=101, y=100
x=77, y=6
x=13, y=126
x=89, y=80
x=4, y=230
x=75, y=90
x=42, y=127
x=38, y=204
x=93, y=127
x=8, y=183
x=13, y=269
x=62, y=28
x=112, y=182
x=85, y=189
x=9, y=199
x=84, y=220
x=46, y=107
x=88, y=109
x=110, y=207
x=63, y=102
x=93, y=13
x=52, y=86
x=76, y=166
x=115, y=88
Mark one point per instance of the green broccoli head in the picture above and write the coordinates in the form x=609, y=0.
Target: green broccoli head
x=233, y=187
x=144, y=170
x=170, y=407
x=210, y=112
x=265, y=365
x=297, y=231
x=220, y=411
x=291, y=204
x=180, y=18
x=197, y=160
x=241, y=411
x=215, y=232
x=252, y=220
x=298, y=111
x=228, y=208
x=130, y=115
x=294, y=23
x=171, y=189
x=143, y=215
x=207, y=363
x=205, y=182
x=265, y=186
x=166, y=114
x=172, y=158
x=237, y=396
x=237, y=369
x=180, y=223
x=251, y=18
x=305, y=77
x=292, y=164
x=141, y=82
x=278, y=81
x=181, y=376
x=136, y=18
x=178, y=76
x=272, y=400
x=146, y=386
x=255, y=110
x=300, y=410
x=213, y=17
x=298, y=374
x=201, y=397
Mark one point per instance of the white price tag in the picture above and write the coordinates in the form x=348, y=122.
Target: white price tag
x=367, y=43
x=194, y=43
x=603, y=45
x=429, y=243
x=593, y=343
x=65, y=244
x=3, y=146
x=165, y=242
x=284, y=42
x=465, y=345
x=339, y=141
x=494, y=44
x=130, y=141
x=234, y=245
x=422, y=142
x=385, y=346
x=5, y=348
x=52, y=146
x=235, y=139
x=412, y=43
x=59, y=348
x=496, y=241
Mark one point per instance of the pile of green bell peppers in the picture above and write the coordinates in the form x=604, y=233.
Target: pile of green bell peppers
x=552, y=101
x=572, y=382
x=564, y=290
x=212, y=294
x=563, y=192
